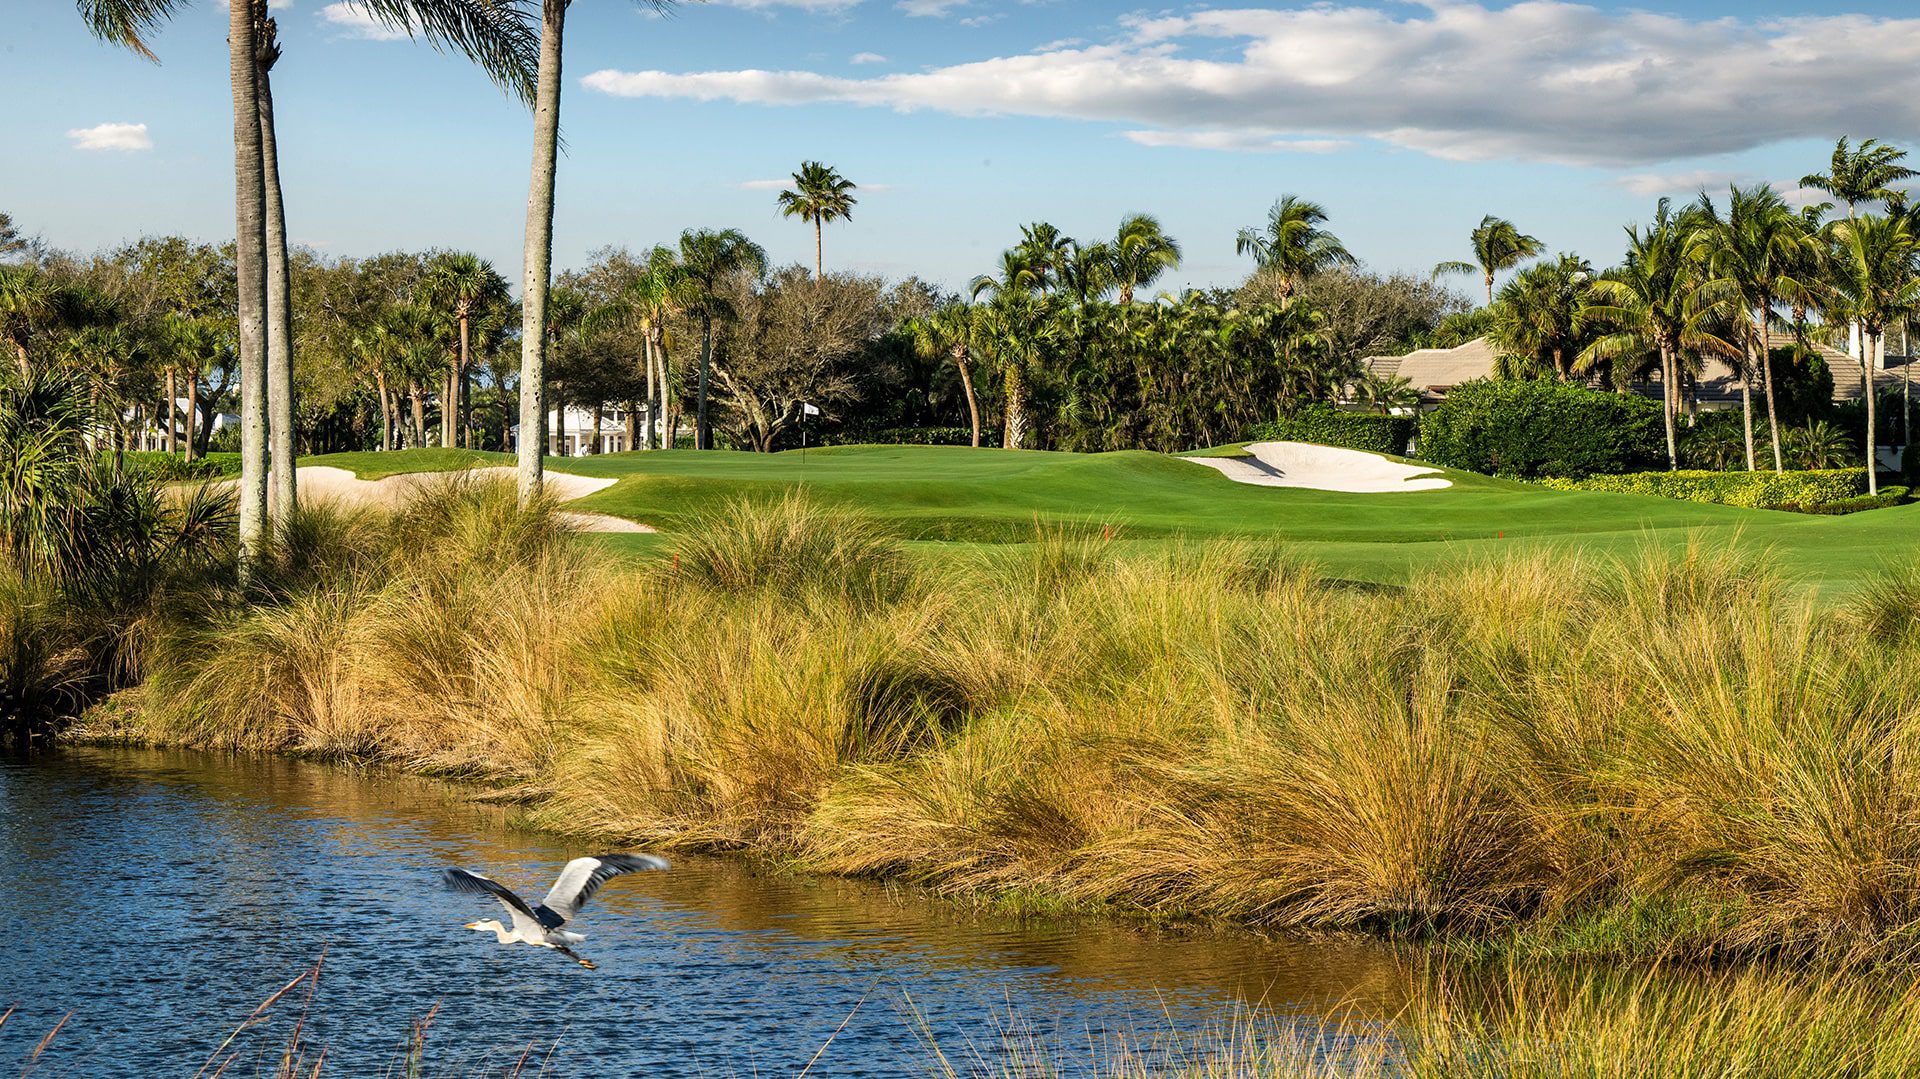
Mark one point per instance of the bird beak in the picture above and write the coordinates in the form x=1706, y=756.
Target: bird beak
x=471, y=925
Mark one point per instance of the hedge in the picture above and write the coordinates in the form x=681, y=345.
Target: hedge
x=169, y=468
x=1888, y=496
x=1540, y=427
x=909, y=436
x=1754, y=490
x=1329, y=426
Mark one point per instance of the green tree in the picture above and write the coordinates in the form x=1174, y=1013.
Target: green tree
x=1863, y=174
x=1540, y=318
x=1141, y=251
x=1292, y=245
x=461, y=284
x=30, y=301
x=1752, y=252
x=952, y=330
x=818, y=195
x=1497, y=246
x=1876, y=283
x=1658, y=300
x=711, y=259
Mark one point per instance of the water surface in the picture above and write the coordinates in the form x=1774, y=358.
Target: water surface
x=160, y=896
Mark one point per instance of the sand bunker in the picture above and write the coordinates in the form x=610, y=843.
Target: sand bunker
x=327, y=484
x=1323, y=468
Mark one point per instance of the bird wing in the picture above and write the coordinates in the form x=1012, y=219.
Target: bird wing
x=583, y=876
x=524, y=918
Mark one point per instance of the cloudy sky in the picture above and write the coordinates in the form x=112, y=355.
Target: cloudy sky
x=963, y=119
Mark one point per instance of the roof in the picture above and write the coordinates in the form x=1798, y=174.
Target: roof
x=1434, y=371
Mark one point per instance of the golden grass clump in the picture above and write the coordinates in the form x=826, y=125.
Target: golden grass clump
x=1676, y=752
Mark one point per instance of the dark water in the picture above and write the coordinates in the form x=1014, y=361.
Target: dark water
x=160, y=897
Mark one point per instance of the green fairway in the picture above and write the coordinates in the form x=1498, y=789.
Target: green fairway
x=943, y=494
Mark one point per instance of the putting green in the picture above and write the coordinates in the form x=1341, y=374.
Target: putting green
x=949, y=495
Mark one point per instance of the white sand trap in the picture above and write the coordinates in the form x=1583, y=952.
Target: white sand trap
x=1323, y=468
x=328, y=484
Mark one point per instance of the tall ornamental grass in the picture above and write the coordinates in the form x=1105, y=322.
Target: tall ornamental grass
x=1673, y=754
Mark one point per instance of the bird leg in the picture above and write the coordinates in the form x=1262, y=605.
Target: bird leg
x=575, y=956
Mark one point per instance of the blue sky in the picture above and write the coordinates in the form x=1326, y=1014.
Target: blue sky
x=963, y=119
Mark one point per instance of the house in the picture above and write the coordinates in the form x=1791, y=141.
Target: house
x=1434, y=371
x=570, y=431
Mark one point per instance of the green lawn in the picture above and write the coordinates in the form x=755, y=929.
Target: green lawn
x=946, y=494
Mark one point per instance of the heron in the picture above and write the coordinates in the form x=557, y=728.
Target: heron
x=541, y=924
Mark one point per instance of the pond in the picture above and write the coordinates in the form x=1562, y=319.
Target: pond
x=160, y=896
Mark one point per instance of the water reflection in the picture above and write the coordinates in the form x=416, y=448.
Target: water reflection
x=162, y=895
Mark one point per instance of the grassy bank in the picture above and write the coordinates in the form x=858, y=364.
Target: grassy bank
x=1674, y=754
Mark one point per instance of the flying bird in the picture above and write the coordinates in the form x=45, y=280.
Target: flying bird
x=541, y=923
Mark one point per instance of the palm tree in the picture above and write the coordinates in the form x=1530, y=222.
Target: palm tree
x=662, y=290
x=491, y=32
x=1013, y=329
x=1863, y=174
x=1086, y=271
x=953, y=329
x=1293, y=246
x=1752, y=252
x=1377, y=391
x=1542, y=317
x=460, y=284
x=1875, y=282
x=1141, y=252
x=710, y=259
x=1656, y=299
x=819, y=194
x=29, y=301
x=1497, y=246
x=1047, y=250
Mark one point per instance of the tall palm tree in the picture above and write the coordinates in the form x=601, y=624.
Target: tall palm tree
x=1047, y=250
x=492, y=32
x=1657, y=299
x=819, y=194
x=1141, y=252
x=1086, y=271
x=460, y=284
x=1497, y=246
x=1863, y=174
x=1293, y=245
x=1875, y=282
x=663, y=289
x=953, y=328
x=711, y=258
x=1541, y=317
x=1753, y=252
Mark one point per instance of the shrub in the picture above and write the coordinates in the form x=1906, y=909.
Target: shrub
x=1538, y=427
x=1754, y=490
x=792, y=547
x=1329, y=426
x=1888, y=496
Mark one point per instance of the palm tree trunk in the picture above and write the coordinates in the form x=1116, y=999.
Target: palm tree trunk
x=1766, y=380
x=667, y=419
x=539, y=252
x=172, y=412
x=632, y=408
x=1016, y=406
x=966, y=383
x=418, y=396
x=250, y=258
x=816, y=248
x=386, y=409
x=702, y=433
x=280, y=403
x=647, y=425
x=1489, y=288
x=1874, y=342
x=450, y=405
x=1668, y=402
x=1746, y=417
x=193, y=411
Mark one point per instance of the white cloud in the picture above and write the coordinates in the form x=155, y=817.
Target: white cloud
x=111, y=137
x=764, y=185
x=1538, y=80
x=930, y=9
x=867, y=58
x=354, y=21
x=1252, y=142
x=829, y=6
x=1653, y=184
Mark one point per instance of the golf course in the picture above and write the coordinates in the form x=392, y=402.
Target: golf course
x=933, y=496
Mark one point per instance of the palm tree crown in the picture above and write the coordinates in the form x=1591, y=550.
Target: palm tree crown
x=1293, y=245
x=1863, y=174
x=1140, y=253
x=1497, y=245
x=819, y=194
